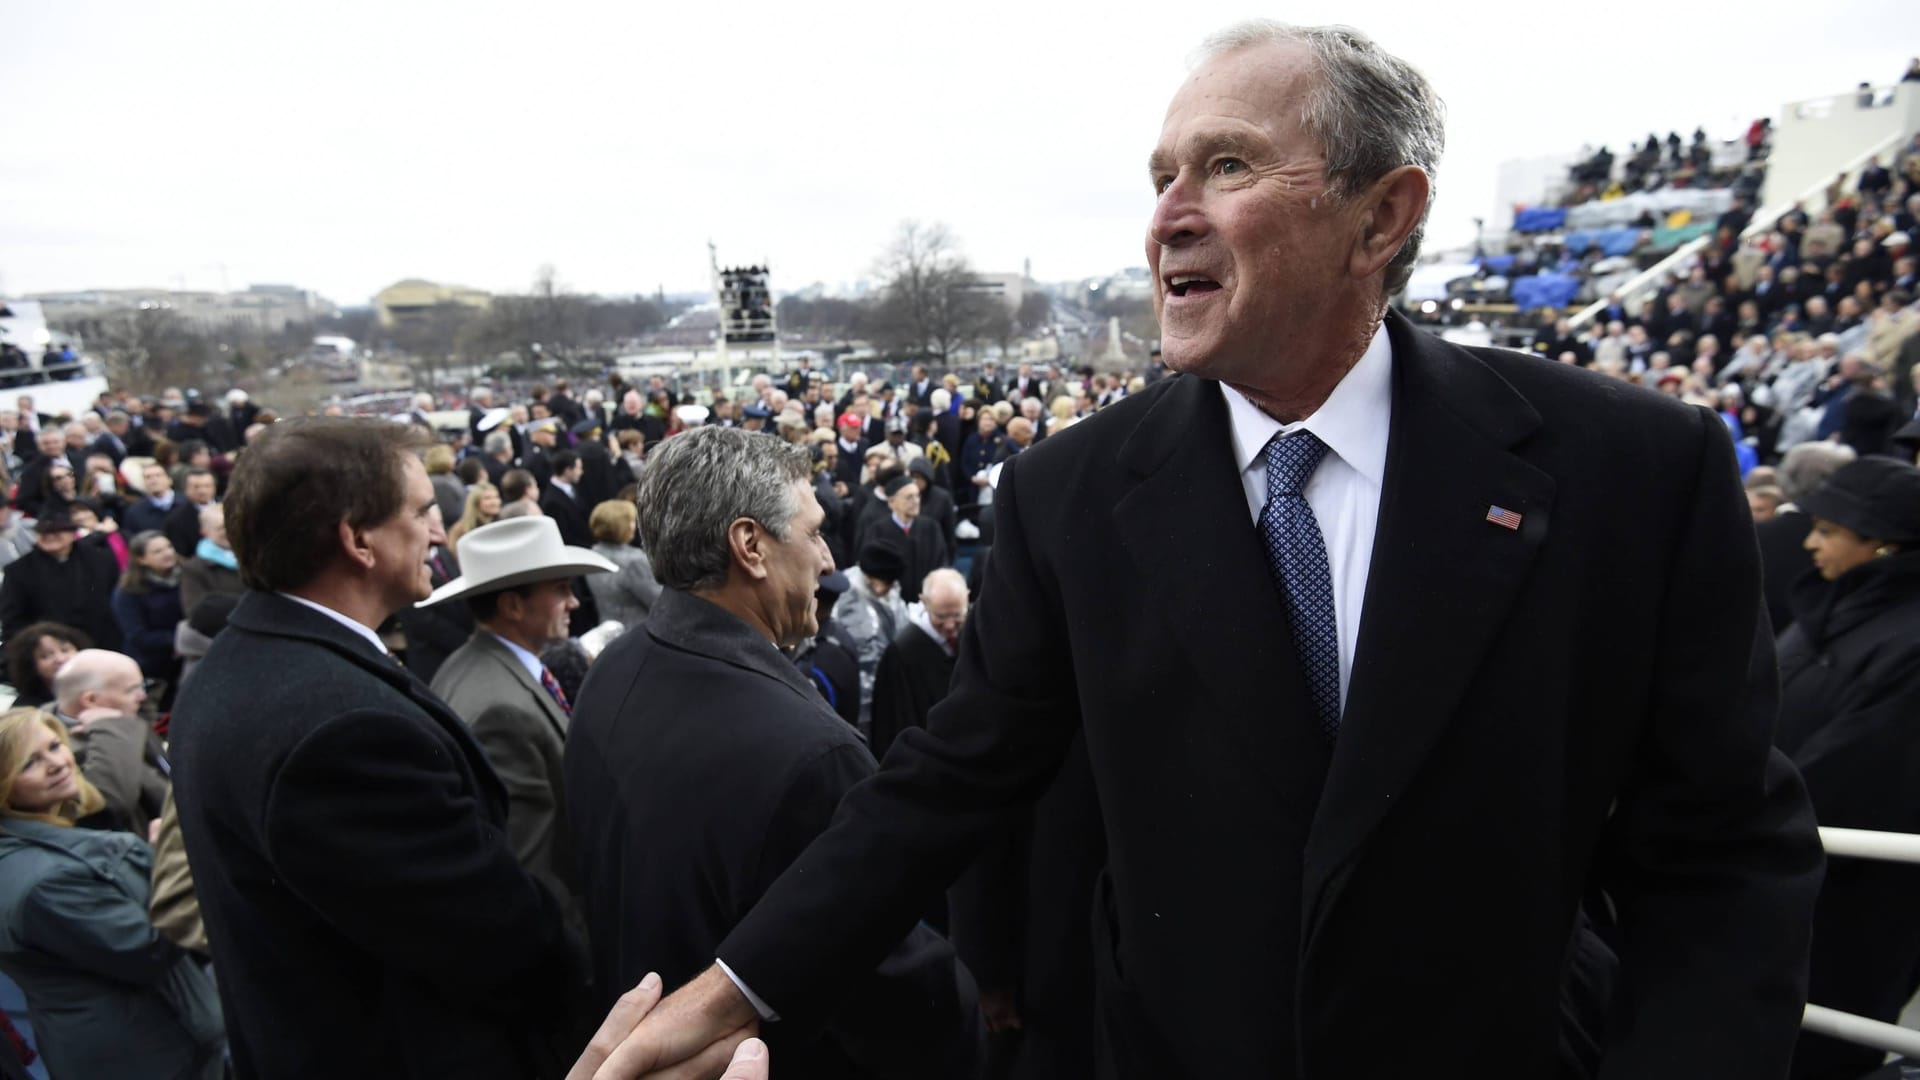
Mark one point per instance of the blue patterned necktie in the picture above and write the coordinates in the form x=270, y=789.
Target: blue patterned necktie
x=1298, y=558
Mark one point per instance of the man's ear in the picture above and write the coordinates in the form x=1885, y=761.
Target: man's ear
x=353, y=544
x=746, y=540
x=1393, y=207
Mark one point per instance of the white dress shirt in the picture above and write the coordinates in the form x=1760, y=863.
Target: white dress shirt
x=527, y=660
x=352, y=624
x=1344, y=491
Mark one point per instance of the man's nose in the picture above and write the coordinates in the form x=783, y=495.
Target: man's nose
x=1177, y=217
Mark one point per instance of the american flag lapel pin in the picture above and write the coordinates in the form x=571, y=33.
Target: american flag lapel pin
x=1503, y=517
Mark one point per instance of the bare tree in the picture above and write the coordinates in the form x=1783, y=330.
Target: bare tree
x=146, y=349
x=931, y=305
x=432, y=339
x=1035, y=309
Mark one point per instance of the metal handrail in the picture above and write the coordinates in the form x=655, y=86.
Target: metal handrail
x=1859, y=1030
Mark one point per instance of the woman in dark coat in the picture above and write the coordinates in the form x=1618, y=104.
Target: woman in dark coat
x=1850, y=720
x=110, y=998
x=147, y=606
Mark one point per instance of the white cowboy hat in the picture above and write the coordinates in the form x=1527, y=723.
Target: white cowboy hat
x=493, y=419
x=517, y=551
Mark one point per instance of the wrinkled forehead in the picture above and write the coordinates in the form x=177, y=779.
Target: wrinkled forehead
x=1260, y=85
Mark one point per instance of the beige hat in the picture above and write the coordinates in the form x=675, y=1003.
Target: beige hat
x=517, y=551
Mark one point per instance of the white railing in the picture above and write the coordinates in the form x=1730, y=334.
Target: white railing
x=1890, y=1038
x=1764, y=221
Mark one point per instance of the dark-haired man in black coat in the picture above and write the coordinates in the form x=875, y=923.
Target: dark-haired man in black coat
x=348, y=837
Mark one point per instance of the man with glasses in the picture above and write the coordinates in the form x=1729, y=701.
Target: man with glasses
x=98, y=695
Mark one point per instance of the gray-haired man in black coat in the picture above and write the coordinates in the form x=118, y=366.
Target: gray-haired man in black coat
x=699, y=762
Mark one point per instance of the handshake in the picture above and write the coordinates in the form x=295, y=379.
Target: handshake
x=705, y=1026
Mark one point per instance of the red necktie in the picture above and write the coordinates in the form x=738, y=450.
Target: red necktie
x=553, y=687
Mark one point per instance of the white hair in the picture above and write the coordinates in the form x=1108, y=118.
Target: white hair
x=940, y=400
x=1371, y=111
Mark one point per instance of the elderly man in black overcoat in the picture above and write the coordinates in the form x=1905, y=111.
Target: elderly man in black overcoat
x=1386, y=653
x=700, y=762
x=347, y=837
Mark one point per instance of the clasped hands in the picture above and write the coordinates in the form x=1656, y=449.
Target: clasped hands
x=703, y=1028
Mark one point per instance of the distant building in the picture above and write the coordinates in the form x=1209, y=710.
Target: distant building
x=271, y=308
x=1009, y=289
x=1133, y=283
x=413, y=298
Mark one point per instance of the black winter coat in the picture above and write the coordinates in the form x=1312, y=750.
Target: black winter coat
x=350, y=854
x=1849, y=701
x=698, y=764
x=76, y=593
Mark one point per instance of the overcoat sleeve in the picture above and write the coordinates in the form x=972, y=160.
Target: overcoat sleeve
x=900, y=838
x=1711, y=850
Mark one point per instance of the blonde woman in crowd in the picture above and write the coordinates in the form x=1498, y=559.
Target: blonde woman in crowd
x=110, y=999
x=483, y=508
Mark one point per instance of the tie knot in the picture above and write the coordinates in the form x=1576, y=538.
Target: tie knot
x=1291, y=460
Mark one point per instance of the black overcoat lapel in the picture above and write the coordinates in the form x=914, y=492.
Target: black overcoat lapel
x=1192, y=540
x=1440, y=586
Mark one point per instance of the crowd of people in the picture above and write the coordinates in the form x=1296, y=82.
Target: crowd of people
x=117, y=576
x=354, y=746
x=1797, y=333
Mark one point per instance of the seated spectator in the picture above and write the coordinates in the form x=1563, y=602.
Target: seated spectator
x=98, y=695
x=35, y=654
x=108, y=996
x=212, y=570
x=626, y=595
x=147, y=605
x=1849, y=689
x=61, y=581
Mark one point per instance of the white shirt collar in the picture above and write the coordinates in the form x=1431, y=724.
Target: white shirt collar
x=563, y=486
x=1352, y=421
x=527, y=660
x=354, y=625
x=917, y=614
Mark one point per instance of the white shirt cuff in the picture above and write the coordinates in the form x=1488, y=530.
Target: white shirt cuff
x=766, y=1011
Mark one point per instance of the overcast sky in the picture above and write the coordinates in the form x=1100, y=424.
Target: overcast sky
x=343, y=146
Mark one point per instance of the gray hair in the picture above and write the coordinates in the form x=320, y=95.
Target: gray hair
x=496, y=442
x=1808, y=465
x=1372, y=112
x=699, y=483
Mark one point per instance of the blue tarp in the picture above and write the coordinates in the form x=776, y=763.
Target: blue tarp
x=1539, y=219
x=1610, y=241
x=1498, y=264
x=1545, y=290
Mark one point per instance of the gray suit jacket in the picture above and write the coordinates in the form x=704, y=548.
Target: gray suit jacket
x=523, y=732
